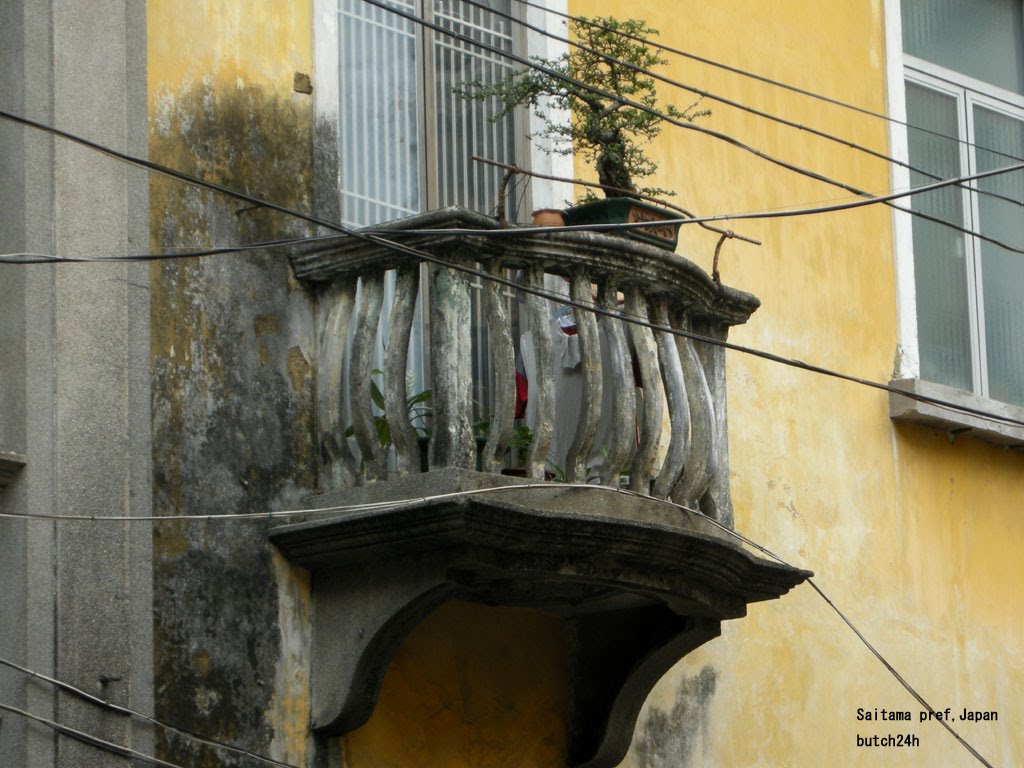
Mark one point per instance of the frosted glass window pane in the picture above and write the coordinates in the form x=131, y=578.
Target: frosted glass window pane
x=983, y=39
x=1002, y=271
x=940, y=264
x=379, y=113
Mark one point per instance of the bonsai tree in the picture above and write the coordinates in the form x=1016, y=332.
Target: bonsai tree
x=605, y=130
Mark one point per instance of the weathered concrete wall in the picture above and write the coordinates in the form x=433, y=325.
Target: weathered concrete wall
x=233, y=374
x=74, y=376
x=918, y=538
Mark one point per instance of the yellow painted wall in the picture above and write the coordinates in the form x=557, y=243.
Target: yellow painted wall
x=229, y=41
x=222, y=106
x=918, y=539
x=472, y=686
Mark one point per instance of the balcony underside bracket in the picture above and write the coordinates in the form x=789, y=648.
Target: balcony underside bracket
x=638, y=585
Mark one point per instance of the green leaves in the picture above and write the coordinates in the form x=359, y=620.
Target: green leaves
x=417, y=410
x=607, y=132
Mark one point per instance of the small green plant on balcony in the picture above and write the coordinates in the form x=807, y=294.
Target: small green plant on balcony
x=417, y=408
x=605, y=130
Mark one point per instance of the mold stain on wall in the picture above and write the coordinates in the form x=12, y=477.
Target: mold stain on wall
x=673, y=738
x=233, y=378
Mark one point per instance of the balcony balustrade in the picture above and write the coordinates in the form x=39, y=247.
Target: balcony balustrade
x=630, y=402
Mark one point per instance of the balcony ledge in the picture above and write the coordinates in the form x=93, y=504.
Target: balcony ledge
x=640, y=584
x=660, y=271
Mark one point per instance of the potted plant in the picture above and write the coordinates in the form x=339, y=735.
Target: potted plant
x=603, y=129
x=418, y=412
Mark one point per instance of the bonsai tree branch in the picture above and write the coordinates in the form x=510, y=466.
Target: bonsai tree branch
x=607, y=133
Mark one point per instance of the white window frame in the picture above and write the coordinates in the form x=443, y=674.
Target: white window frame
x=968, y=92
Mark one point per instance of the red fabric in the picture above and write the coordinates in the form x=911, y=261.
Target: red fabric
x=522, y=394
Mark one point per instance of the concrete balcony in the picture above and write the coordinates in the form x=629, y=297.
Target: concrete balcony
x=423, y=511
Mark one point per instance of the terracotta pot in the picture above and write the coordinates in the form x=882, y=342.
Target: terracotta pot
x=548, y=217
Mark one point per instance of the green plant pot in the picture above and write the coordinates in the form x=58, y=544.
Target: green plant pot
x=620, y=210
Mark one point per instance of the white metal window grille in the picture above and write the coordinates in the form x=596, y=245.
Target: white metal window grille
x=405, y=140
x=964, y=88
x=380, y=141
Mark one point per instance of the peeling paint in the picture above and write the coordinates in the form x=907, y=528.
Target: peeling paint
x=291, y=704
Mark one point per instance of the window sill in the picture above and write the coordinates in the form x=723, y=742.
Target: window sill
x=10, y=463
x=955, y=423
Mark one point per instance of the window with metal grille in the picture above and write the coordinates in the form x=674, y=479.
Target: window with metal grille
x=405, y=140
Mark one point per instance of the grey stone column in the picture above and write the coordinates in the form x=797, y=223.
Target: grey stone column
x=74, y=378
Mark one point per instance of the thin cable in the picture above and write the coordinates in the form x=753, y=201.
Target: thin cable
x=860, y=635
x=773, y=214
x=532, y=231
x=400, y=248
x=140, y=716
x=167, y=171
x=524, y=231
x=898, y=676
x=763, y=79
x=724, y=100
x=42, y=258
x=679, y=123
x=408, y=503
x=88, y=738
x=664, y=203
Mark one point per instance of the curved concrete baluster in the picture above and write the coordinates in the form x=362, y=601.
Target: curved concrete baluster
x=340, y=463
x=678, y=405
x=619, y=369
x=649, y=419
x=367, y=318
x=503, y=359
x=590, y=371
x=403, y=435
x=701, y=459
x=451, y=441
x=542, y=388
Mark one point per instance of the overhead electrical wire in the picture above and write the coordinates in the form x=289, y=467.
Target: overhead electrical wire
x=761, y=78
x=88, y=738
x=412, y=502
x=521, y=231
x=42, y=258
x=725, y=100
x=860, y=635
x=116, y=708
x=821, y=593
x=860, y=202
x=679, y=123
x=558, y=298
